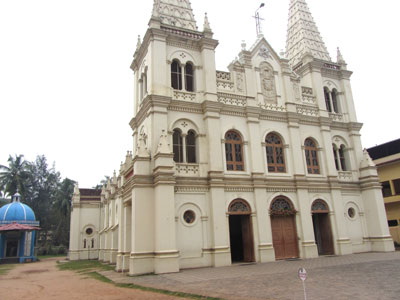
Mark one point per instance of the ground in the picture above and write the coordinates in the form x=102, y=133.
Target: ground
x=43, y=280
x=357, y=276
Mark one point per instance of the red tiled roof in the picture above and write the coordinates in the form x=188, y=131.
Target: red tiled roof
x=16, y=226
x=90, y=192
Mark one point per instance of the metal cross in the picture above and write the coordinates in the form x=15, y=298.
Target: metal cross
x=258, y=19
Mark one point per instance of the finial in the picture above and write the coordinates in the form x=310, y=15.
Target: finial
x=340, y=59
x=16, y=197
x=139, y=43
x=76, y=188
x=155, y=11
x=206, y=26
x=243, y=45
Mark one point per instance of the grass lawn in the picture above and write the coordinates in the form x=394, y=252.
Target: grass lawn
x=91, y=268
x=5, y=268
x=51, y=255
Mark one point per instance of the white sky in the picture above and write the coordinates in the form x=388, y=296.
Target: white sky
x=66, y=89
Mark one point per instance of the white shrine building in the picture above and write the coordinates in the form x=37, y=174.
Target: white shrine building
x=260, y=163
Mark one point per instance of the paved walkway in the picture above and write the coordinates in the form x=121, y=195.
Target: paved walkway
x=356, y=276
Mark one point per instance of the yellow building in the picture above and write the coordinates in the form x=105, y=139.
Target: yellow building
x=387, y=159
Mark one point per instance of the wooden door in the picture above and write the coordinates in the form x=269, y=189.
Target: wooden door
x=247, y=235
x=323, y=233
x=284, y=237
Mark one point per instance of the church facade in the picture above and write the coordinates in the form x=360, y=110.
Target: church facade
x=260, y=163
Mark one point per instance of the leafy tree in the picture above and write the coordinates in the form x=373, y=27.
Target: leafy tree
x=44, y=182
x=4, y=198
x=41, y=188
x=14, y=177
x=62, y=209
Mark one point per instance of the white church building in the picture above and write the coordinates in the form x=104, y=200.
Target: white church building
x=260, y=163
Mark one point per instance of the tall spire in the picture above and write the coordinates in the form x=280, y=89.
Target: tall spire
x=177, y=13
x=303, y=35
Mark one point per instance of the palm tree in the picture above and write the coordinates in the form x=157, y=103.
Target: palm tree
x=4, y=198
x=14, y=177
x=102, y=183
x=62, y=207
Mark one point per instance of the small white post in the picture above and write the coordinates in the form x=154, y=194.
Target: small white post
x=303, y=276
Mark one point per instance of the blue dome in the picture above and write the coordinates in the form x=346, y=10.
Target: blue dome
x=16, y=211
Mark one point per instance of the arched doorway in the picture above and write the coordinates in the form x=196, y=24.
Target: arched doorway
x=322, y=227
x=283, y=226
x=241, y=231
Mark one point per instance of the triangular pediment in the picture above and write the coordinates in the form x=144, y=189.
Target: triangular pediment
x=263, y=50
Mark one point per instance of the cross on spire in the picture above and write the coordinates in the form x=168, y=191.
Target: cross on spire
x=258, y=20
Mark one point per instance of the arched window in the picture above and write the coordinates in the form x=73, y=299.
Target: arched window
x=335, y=155
x=177, y=146
x=327, y=99
x=234, y=151
x=239, y=206
x=189, y=77
x=281, y=206
x=176, y=75
x=311, y=152
x=335, y=101
x=191, y=147
x=319, y=206
x=275, y=155
x=145, y=82
x=342, y=158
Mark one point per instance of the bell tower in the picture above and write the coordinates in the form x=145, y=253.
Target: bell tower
x=174, y=63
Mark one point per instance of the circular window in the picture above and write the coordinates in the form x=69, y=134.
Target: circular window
x=351, y=212
x=189, y=216
x=89, y=231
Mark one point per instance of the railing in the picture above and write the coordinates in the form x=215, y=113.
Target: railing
x=183, y=169
x=231, y=99
x=184, y=96
x=336, y=117
x=345, y=175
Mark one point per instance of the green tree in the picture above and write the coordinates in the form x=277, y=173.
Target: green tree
x=62, y=209
x=4, y=198
x=43, y=187
x=15, y=176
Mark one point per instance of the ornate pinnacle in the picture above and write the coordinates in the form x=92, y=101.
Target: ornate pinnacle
x=206, y=26
x=340, y=59
x=139, y=43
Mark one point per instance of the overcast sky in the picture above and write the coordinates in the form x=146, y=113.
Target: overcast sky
x=66, y=89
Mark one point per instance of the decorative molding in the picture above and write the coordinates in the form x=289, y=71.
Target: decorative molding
x=187, y=169
x=271, y=106
x=183, y=45
x=239, y=189
x=221, y=75
x=278, y=190
x=307, y=110
x=345, y=175
x=232, y=99
x=184, y=96
x=191, y=189
x=336, y=117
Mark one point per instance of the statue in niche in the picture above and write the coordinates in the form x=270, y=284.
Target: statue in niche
x=267, y=83
x=239, y=81
x=296, y=89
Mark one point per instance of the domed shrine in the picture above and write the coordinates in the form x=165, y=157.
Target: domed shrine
x=17, y=232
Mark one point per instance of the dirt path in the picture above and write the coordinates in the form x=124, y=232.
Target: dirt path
x=43, y=280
